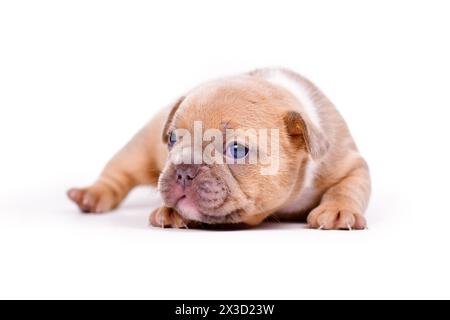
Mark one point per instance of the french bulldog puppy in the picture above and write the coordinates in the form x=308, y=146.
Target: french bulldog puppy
x=314, y=173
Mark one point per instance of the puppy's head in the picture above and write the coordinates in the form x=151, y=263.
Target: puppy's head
x=236, y=151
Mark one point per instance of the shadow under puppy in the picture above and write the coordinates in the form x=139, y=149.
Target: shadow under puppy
x=320, y=176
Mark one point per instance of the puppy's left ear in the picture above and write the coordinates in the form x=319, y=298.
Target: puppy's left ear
x=173, y=110
x=299, y=127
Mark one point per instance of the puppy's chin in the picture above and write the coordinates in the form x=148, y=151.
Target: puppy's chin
x=187, y=209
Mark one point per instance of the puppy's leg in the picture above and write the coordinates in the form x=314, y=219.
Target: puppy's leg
x=342, y=206
x=165, y=217
x=134, y=165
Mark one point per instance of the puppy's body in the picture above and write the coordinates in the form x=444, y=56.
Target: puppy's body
x=322, y=177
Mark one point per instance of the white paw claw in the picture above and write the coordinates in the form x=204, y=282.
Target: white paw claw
x=161, y=222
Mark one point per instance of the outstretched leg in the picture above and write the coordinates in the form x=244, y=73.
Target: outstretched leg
x=342, y=206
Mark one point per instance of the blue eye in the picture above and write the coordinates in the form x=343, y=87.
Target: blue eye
x=237, y=151
x=172, y=139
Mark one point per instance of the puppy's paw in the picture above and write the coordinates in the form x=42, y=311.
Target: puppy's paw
x=94, y=199
x=334, y=217
x=165, y=217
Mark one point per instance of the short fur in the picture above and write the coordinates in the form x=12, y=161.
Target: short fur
x=322, y=177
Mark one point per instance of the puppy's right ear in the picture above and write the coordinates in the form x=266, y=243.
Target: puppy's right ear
x=174, y=108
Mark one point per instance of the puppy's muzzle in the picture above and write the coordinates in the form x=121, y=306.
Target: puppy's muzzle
x=208, y=191
x=211, y=194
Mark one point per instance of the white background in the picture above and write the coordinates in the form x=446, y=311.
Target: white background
x=79, y=78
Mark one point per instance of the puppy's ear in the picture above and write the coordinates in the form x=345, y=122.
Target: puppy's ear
x=174, y=108
x=299, y=127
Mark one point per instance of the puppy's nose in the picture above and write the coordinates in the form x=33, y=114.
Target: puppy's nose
x=186, y=174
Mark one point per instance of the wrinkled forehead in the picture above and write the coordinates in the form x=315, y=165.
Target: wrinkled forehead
x=238, y=103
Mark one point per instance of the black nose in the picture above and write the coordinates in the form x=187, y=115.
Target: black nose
x=186, y=173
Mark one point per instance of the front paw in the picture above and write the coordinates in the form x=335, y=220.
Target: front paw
x=95, y=199
x=335, y=217
x=165, y=217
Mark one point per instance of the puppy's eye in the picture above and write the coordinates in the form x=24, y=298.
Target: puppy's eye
x=237, y=150
x=172, y=139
